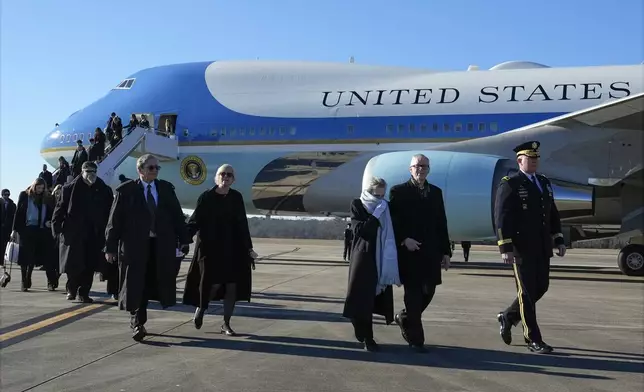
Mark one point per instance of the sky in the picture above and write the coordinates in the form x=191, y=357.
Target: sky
x=59, y=56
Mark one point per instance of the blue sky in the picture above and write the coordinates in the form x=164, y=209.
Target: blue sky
x=59, y=56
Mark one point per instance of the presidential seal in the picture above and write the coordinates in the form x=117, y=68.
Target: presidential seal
x=193, y=170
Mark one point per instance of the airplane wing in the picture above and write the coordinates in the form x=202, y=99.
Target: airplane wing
x=625, y=113
x=601, y=145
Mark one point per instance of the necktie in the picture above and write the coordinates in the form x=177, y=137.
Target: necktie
x=534, y=181
x=152, y=206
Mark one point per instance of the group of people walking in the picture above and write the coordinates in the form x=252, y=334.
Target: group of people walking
x=405, y=242
x=137, y=231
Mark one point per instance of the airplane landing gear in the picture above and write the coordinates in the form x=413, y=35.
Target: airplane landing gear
x=631, y=260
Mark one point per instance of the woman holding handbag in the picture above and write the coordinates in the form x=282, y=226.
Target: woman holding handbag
x=32, y=231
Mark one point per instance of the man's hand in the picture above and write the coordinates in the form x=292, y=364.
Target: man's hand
x=252, y=254
x=446, y=262
x=508, y=258
x=411, y=244
x=48, y=224
x=110, y=257
x=14, y=237
x=561, y=250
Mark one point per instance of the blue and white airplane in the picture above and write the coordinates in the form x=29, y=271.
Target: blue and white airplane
x=303, y=135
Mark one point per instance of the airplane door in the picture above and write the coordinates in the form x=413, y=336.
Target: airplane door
x=168, y=125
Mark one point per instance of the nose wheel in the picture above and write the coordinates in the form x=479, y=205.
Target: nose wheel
x=631, y=260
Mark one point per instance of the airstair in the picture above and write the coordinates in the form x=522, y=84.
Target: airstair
x=135, y=144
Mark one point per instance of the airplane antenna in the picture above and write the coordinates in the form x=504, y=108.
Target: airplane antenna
x=352, y=60
x=473, y=68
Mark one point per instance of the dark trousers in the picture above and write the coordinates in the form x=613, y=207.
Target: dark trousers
x=417, y=297
x=140, y=316
x=111, y=275
x=230, y=297
x=363, y=328
x=532, y=277
x=26, y=271
x=347, y=250
x=80, y=283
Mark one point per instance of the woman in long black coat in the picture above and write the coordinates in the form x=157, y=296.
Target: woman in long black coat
x=32, y=223
x=372, y=271
x=223, y=257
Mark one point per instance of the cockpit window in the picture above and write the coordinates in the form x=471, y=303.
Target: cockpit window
x=125, y=85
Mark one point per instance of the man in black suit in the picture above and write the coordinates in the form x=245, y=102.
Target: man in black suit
x=528, y=226
x=6, y=220
x=420, y=225
x=47, y=176
x=145, y=225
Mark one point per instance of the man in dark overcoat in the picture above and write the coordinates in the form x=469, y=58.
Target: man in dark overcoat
x=145, y=224
x=79, y=221
x=420, y=225
x=7, y=220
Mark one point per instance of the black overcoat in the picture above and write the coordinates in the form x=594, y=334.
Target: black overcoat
x=36, y=246
x=361, y=300
x=205, y=266
x=70, y=228
x=127, y=235
x=424, y=220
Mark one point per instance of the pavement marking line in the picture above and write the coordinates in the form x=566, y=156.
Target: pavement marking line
x=48, y=322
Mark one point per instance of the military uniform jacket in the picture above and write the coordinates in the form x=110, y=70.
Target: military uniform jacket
x=526, y=219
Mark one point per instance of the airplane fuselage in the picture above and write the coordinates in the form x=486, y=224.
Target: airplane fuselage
x=299, y=134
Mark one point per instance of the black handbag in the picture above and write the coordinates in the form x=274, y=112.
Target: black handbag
x=6, y=276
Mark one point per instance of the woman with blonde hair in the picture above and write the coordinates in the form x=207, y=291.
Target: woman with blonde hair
x=223, y=256
x=32, y=231
x=374, y=263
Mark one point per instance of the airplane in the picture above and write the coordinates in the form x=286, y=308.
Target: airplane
x=304, y=136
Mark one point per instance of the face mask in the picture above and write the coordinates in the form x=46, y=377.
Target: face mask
x=89, y=177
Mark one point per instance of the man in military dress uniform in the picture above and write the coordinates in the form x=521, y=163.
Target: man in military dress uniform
x=527, y=222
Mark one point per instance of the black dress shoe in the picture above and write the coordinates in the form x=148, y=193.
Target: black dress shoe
x=398, y=322
x=70, y=297
x=226, y=330
x=506, y=328
x=139, y=333
x=371, y=345
x=198, y=318
x=540, y=348
x=85, y=299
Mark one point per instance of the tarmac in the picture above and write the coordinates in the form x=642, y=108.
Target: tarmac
x=292, y=336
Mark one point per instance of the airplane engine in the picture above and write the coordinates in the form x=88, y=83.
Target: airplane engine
x=469, y=183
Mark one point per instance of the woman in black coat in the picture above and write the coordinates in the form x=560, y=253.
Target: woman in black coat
x=223, y=257
x=32, y=230
x=374, y=263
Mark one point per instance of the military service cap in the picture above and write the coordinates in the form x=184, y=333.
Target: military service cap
x=530, y=149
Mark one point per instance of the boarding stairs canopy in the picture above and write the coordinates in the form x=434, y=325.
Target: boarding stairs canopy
x=137, y=143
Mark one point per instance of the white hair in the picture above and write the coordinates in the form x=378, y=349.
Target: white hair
x=417, y=157
x=143, y=160
x=375, y=183
x=222, y=168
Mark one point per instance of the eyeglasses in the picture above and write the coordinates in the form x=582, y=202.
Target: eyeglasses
x=154, y=167
x=89, y=171
x=226, y=174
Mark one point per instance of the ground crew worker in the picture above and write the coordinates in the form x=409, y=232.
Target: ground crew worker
x=348, y=239
x=527, y=222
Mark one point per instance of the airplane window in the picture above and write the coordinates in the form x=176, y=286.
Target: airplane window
x=401, y=128
x=67, y=138
x=423, y=127
x=81, y=136
x=458, y=127
x=213, y=132
x=446, y=127
x=251, y=131
x=412, y=128
x=262, y=131
x=233, y=132
x=482, y=127
x=470, y=127
x=129, y=83
x=124, y=85
x=282, y=130
x=223, y=131
x=271, y=131
x=435, y=127
x=293, y=130
x=390, y=128
x=350, y=129
x=494, y=127
x=242, y=131
x=62, y=138
x=75, y=137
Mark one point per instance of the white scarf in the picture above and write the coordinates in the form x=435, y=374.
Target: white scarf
x=386, y=253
